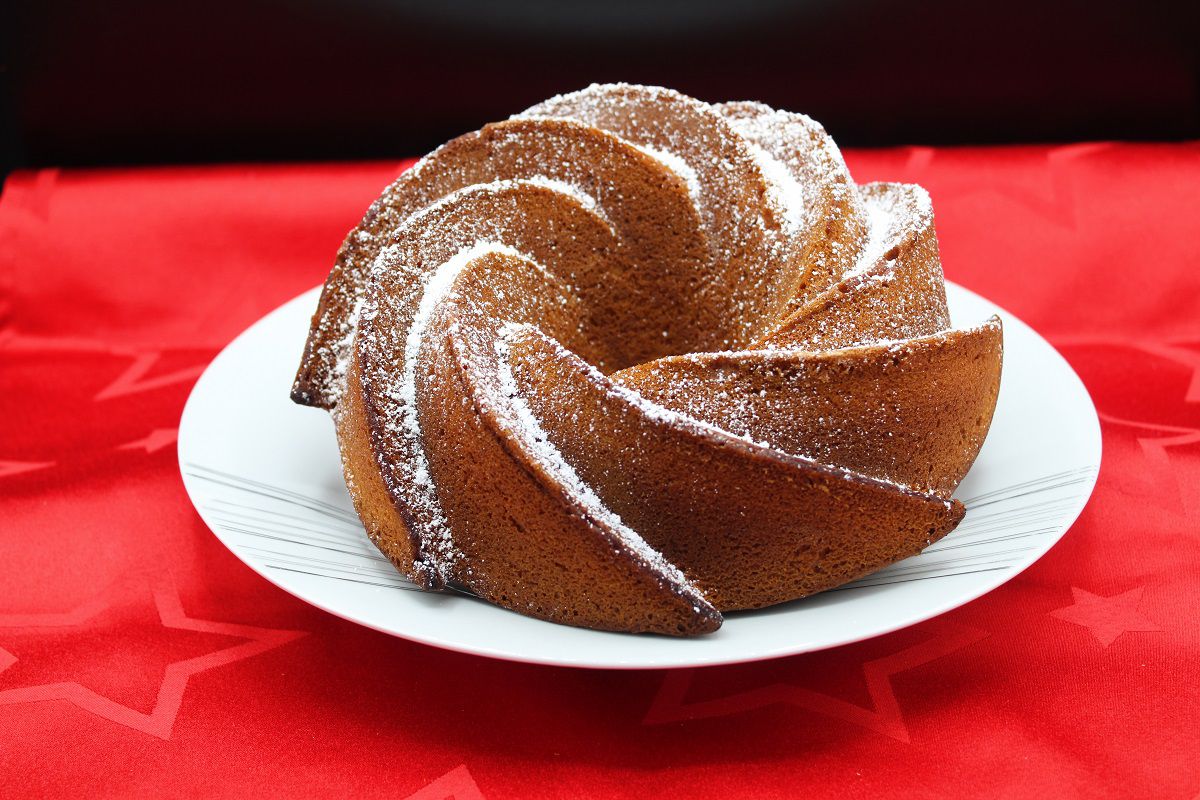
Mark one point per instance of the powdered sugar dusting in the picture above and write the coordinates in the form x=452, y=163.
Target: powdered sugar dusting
x=793, y=198
x=674, y=417
x=805, y=171
x=677, y=165
x=436, y=536
x=584, y=199
x=752, y=264
x=880, y=219
x=528, y=430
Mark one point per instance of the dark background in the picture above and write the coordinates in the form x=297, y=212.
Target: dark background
x=134, y=82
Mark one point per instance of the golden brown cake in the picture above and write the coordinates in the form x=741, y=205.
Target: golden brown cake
x=629, y=361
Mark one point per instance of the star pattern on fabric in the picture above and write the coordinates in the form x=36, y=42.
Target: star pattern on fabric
x=1106, y=617
x=457, y=784
x=1183, y=356
x=1155, y=449
x=160, y=720
x=156, y=440
x=884, y=717
x=1162, y=437
x=17, y=467
x=132, y=380
x=1052, y=201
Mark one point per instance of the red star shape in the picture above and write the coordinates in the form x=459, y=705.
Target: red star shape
x=1106, y=617
x=156, y=440
x=134, y=379
x=1053, y=201
x=671, y=704
x=457, y=784
x=1166, y=475
x=159, y=721
x=17, y=467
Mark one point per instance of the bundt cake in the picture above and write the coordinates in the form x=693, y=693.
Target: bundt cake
x=628, y=361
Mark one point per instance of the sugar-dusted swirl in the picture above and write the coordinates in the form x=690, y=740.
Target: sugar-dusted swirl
x=629, y=360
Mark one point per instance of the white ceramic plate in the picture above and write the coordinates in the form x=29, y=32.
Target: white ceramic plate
x=265, y=475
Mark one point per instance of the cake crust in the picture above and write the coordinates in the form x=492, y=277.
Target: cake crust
x=629, y=361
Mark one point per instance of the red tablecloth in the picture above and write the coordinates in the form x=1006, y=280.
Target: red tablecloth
x=138, y=656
